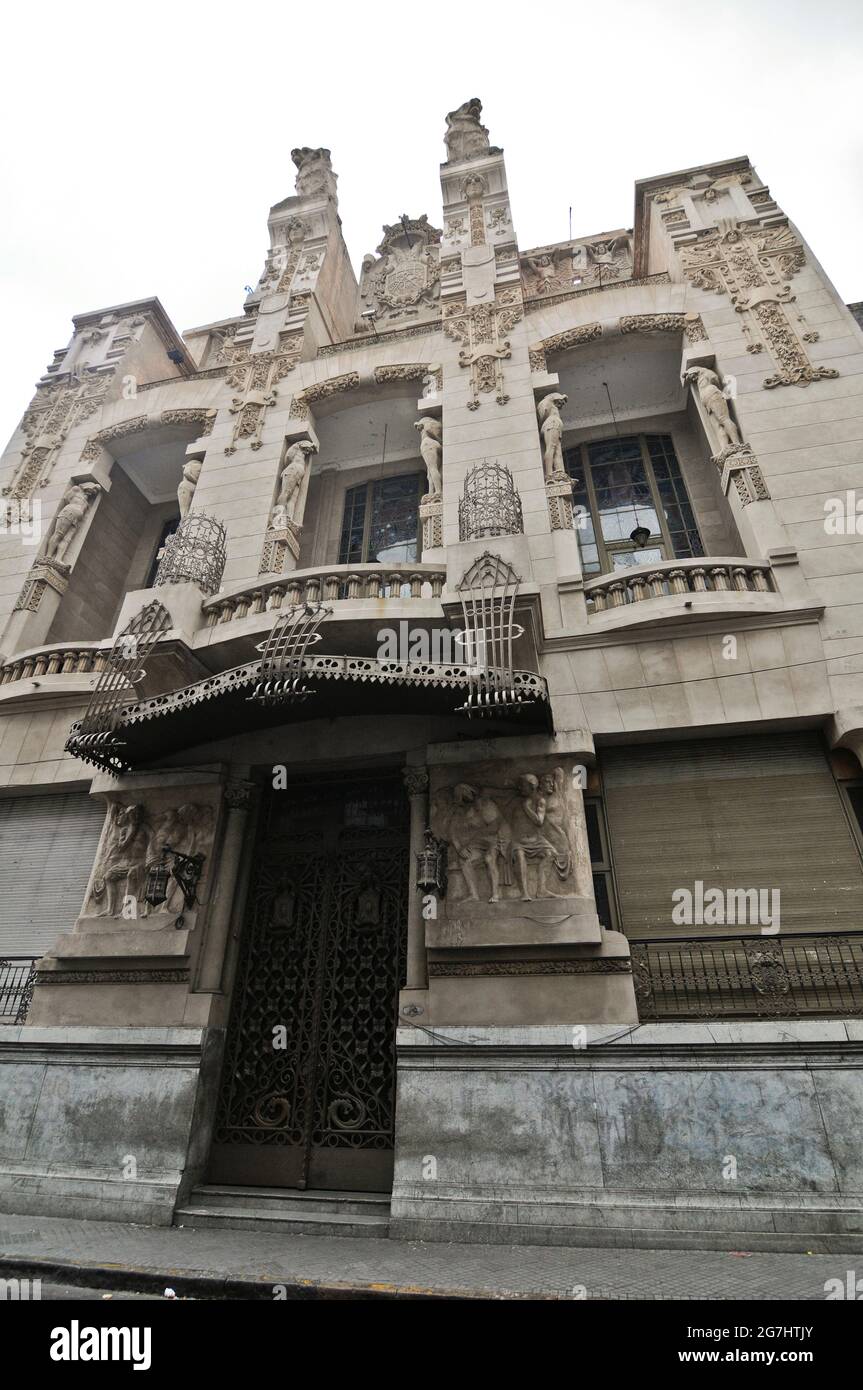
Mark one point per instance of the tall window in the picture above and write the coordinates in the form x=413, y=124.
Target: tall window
x=600, y=862
x=631, y=485
x=381, y=521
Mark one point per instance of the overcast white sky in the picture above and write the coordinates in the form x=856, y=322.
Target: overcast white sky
x=145, y=143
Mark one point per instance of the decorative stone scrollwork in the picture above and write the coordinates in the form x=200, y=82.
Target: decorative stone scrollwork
x=480, y=327
x=753, y=266
x=558, y=491
x=321, y=391
x=652, y=323
x=410, y=371
x=192, y=416
x=54, y=411
x=740, y=467
x=572, y=337
x=416, y=780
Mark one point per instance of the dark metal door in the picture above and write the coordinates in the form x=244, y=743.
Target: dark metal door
x=308, y=1088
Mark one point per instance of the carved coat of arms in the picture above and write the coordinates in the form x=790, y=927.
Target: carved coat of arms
x=405, y=279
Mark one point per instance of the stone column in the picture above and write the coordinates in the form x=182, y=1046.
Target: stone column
x=237, y=800
x=416, y=781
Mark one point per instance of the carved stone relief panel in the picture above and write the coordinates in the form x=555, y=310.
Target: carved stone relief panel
x=753, y=265
x=403, y=282
x=54, y=411
x=481, y=329
x=515, y=833
x=571, y=265
x=133, y=837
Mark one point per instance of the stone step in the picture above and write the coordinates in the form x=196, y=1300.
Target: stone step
x=316, y=1213
x=284, y=1200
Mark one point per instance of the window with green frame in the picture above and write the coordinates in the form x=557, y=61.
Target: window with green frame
x=380, y=524
x=626, y=485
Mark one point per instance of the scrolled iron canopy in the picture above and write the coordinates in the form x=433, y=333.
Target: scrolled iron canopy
x=340, y=686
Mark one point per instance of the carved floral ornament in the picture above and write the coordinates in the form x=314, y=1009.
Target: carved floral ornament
x=481, y=328
x=321, y=391
x=690, y=324
x=752, y=265
x=54, y=411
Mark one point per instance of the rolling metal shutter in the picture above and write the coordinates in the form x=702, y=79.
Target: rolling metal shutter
x=753, y=812
x=47, y=847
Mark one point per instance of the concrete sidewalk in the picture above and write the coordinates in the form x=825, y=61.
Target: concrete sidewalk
x=213, y=1263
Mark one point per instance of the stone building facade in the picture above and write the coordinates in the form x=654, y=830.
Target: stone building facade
x=431, y=711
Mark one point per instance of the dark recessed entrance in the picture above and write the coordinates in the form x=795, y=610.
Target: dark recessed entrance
x=308, y=1088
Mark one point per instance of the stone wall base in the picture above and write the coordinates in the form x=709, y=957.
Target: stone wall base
x=101, y=1122
x=729, y=1136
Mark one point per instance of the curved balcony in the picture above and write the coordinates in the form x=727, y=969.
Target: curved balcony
x=650, y=593
x=62, y=659
x=338, y=584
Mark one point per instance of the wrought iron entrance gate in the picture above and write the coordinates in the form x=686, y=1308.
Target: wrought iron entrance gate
x=308, y=1087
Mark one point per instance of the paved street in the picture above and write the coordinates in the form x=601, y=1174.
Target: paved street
x=213, y=1263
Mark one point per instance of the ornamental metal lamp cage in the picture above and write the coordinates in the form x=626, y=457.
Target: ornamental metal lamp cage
x=195, y=553
x=431, y=865
x=490, y=504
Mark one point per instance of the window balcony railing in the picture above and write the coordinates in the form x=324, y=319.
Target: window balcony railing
x=17, y=977
x=677, y=577
x=749, y=976
x=334, y=584
x=64, y=659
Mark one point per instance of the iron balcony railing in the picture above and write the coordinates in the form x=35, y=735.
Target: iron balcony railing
x=17, y=977
x=749, y=976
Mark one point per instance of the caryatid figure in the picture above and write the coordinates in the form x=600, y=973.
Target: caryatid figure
x=73, y=508
x=291, y=480
x=188, y=483
x=709, y=387
x=551, y=428
x=431, y=449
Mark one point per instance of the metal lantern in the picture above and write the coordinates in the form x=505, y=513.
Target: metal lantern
x=186, y=869
x=431, y=865
x=156, y=889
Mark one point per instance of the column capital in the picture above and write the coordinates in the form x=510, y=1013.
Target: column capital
x=238, y=795
x=416, y=780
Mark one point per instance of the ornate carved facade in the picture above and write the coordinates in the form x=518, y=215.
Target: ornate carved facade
x=426, y=631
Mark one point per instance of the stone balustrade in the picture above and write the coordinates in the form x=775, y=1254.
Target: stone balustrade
x=335, y=584
x=61, y=660
x=678, y=577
